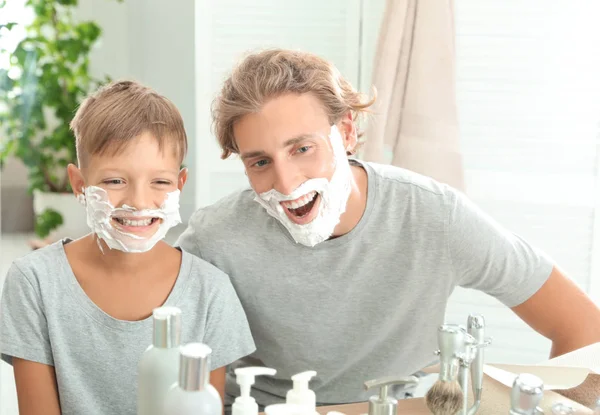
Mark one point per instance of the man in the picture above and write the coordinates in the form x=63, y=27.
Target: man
x=345, y=267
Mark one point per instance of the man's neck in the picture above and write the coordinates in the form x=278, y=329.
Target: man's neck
x=357, y=202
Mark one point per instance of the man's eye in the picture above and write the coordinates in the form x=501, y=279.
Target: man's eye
x=260, y=163
x=113, y=181
x=163, y=182
x=303, y=149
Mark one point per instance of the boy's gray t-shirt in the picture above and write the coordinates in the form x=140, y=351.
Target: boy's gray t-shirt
x=46, y=317
x=366, y=304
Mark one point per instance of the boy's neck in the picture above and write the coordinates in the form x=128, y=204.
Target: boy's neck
x=124, y=263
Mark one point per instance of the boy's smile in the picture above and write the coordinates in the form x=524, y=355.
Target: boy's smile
x=141, y=226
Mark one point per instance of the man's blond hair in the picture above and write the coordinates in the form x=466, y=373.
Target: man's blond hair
x=109, y=119
x=269, y=74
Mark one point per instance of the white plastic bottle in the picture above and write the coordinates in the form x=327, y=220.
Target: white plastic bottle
x=301, y=395
x=193, y=394
x=245, y=376
x=158, y=367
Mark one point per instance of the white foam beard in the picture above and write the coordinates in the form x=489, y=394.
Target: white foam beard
x=334, y=195
x=100, y=213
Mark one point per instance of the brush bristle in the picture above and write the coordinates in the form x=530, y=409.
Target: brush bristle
x=444, y=398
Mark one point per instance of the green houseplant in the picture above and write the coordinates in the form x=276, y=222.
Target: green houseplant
x=47, y=78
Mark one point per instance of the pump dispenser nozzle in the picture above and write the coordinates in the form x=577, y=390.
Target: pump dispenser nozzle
x=301, y=395
x=385, y=404
x=245, y=376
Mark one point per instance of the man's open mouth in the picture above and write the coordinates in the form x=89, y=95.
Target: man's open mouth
x=301, y=206
x=135, y=222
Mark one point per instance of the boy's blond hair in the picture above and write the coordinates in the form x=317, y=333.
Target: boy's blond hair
x=268, y=74
x=110, y=118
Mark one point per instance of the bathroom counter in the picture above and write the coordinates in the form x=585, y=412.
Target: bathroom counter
x=414, y=406
x=496, y=400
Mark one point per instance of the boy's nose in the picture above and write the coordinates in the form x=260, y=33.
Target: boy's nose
x=140, y=199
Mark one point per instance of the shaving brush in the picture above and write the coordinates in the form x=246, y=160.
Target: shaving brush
x=445, y=397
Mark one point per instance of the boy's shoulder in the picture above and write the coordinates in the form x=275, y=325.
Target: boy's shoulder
x=42, y=262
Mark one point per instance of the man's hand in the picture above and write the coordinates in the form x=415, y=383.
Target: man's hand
x=563, y=313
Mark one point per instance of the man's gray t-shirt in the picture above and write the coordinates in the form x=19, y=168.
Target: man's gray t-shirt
x=366, y=304
x=46, y=317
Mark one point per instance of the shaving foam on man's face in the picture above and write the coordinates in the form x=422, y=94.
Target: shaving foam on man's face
x=313, y=210
x=127, y=228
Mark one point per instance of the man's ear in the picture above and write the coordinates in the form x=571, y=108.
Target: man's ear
x=348, y=131
x=183, y=175
x=76, y=179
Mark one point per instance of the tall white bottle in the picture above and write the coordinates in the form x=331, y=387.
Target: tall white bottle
x=158, y=367
x=193, y=394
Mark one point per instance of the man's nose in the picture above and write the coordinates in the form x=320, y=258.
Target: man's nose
x=287, y=178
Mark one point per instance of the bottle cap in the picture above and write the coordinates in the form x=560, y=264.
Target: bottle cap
x=194, y=371
x=167, y=327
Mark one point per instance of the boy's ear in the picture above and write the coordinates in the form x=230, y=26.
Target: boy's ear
x=76, y=179
x=183, y=175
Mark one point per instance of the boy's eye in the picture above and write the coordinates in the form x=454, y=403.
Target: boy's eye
x=163, y=182
x=113, y=181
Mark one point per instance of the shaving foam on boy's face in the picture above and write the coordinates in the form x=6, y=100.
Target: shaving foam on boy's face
x=313, y=210
x=126, y=228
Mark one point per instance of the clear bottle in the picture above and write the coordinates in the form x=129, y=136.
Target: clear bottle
x=193, y=394
x=158, y=367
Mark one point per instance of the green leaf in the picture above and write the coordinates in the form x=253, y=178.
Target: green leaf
x=67, y=2
x=88, y=32
x=47, y=221
x=7, y=26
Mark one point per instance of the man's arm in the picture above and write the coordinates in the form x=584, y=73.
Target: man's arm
x=563, y=313
x=37, y=391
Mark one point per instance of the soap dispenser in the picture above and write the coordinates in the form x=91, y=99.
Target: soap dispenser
x=384, y=404
x=245, y=376
x=158, y=367
x=301, y=395
x=193, y=394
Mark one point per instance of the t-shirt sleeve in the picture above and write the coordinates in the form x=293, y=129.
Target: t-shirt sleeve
x=489, y=258
x=227, y=330
x=23, y=326
x=188, y=240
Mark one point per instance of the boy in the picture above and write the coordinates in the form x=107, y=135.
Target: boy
x=75, y=316
x=352, y=263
